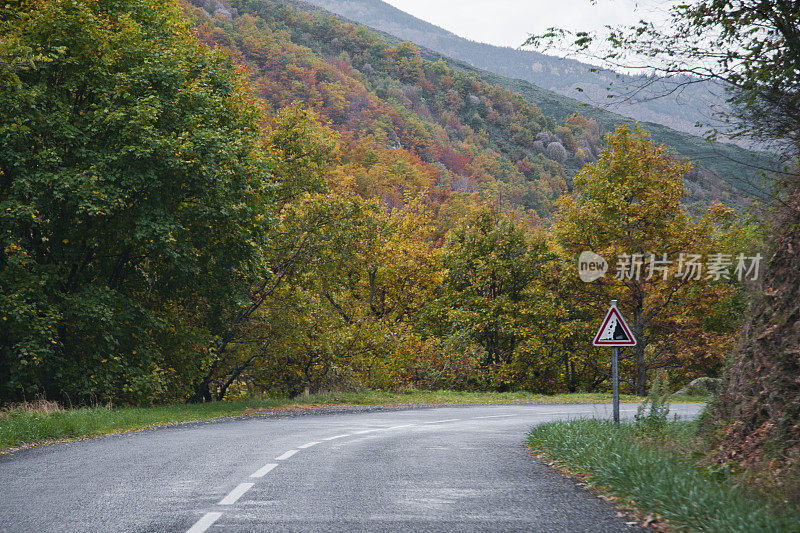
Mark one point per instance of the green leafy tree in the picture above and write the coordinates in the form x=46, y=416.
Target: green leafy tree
x=300, y=148
x=134, y=198
x=553, y=356
x=491, y=266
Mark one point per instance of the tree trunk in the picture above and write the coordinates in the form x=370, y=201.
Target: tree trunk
x=640, y=371
x=640, y=364
x=202, y=392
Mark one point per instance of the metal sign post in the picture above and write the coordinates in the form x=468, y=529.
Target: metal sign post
x=614, y=333
x=615, y=381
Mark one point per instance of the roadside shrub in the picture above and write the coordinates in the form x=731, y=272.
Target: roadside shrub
x=652, y=413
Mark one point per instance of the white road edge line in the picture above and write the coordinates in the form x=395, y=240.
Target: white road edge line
x=493, y=416
x=308, y=445
x=337, y=437
x=368, y=431
x=285, y=455
x=204, y=523
x=403, y=426
x=264, y=470
x=235, y=494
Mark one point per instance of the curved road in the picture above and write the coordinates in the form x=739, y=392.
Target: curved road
x=455, y=468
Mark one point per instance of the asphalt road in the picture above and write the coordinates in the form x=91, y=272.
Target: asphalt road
x=459, y=468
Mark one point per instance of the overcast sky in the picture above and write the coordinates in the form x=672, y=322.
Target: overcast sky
x=509, y=22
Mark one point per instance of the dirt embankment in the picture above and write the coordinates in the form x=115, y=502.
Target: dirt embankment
x=758, y=412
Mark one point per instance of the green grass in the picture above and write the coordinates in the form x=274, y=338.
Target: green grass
x=22, y=427
x=654, y=473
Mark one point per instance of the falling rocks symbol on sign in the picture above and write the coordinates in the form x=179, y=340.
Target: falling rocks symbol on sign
x=619, y=334
x=614, y=331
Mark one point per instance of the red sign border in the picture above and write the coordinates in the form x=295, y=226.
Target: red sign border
x=614, y=311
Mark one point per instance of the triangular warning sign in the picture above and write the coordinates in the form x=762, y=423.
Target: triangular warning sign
x=614, y=331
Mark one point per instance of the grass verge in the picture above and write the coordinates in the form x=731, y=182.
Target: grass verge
x=652, y=472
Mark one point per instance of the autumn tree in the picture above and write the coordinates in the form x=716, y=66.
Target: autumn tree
x=344, y=315
x=627, y=209
x=286, y=337
x=134, y=197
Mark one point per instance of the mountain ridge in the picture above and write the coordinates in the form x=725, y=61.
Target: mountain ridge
x=743, y=169
x=565, y=76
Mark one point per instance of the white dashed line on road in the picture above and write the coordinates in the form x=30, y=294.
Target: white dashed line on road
x=208, y=519
x=443, y=421
x=236, y=493
x=285, y=455
x=204, y=523
x=337, y=437
x=264, y=470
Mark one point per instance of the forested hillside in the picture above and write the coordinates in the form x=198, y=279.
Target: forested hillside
x=451, y=130
x=201, y=201
x=453, y=102
x=740, y=168
x=584, y=82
